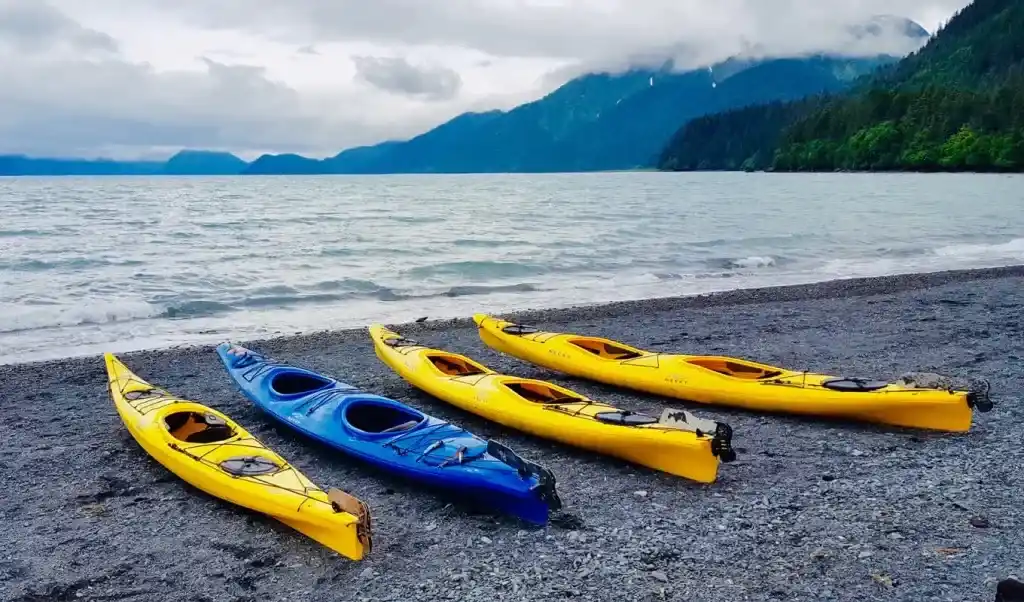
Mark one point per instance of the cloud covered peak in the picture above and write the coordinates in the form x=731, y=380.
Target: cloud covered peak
x=312, y=76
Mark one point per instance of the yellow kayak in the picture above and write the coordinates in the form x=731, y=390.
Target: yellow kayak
x=677, y=443
x=215, y=454
x=735, y=382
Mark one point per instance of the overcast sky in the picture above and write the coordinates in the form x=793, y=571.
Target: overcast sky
x=130, y=78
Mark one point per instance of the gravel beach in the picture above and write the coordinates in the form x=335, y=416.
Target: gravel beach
x=810, y=510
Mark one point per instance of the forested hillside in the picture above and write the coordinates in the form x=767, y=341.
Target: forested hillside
x=957, y=104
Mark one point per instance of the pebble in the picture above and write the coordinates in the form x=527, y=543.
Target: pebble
x=798, y=512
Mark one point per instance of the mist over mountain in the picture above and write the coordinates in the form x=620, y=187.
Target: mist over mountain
x=608, y=120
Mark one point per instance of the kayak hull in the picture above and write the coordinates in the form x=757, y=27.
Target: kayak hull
x=730, y=381
x=553, y=412
x=216, y=455
x=392, y=436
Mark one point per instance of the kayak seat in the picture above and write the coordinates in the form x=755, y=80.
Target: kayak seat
x=373, y=417
x=605, y=350
x=193, y=427
x=211, y=434
x=401, y=427
x=454, y=366
x=735, y=369
x=539, y=393
x=292, y=383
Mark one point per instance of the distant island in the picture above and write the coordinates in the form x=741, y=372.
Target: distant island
x=186, y=162
x=957, y=103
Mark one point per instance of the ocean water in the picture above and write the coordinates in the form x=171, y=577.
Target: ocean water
x=122, y=263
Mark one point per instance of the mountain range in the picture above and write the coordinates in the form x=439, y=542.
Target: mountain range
x=598, y=121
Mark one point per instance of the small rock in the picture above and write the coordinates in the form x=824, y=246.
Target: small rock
x=864, y=554
x=660, y=576
x=895, y=536
x=980, y=522
x=431, y=527
x=486, y=540
x=640, y=493
x=94, y=509
x=366, y=573
x=827, y=477
x=882, y=579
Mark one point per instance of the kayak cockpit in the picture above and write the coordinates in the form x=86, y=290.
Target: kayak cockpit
x=379, y=418
x=538, y=392
x=606, y=349
x=453, y=365
x=195, y=427
x=287, y=383
x=735, y=368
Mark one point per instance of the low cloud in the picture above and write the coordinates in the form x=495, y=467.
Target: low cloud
x=80, y=79
x=399, y=76
x=112, y=107
x=35, y=26
x=591, y=32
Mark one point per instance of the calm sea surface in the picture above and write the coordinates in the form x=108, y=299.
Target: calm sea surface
x=110, y=263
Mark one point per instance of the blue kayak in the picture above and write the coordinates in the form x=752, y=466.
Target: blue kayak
x=394, y=436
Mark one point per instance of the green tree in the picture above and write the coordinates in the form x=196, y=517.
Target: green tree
x=957, y=104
